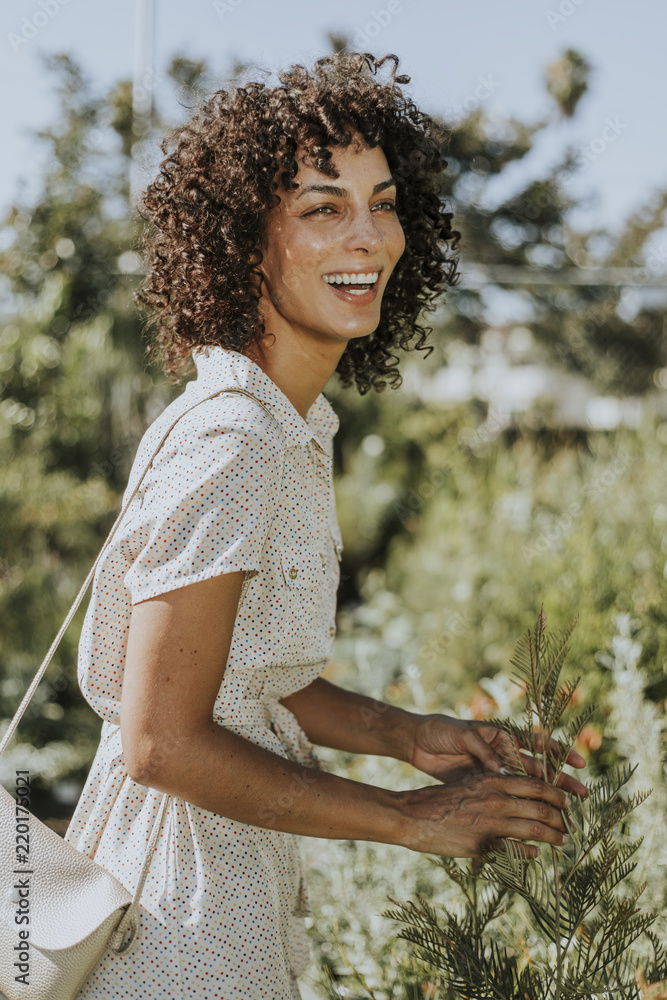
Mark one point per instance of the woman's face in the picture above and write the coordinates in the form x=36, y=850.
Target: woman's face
x=324, y=238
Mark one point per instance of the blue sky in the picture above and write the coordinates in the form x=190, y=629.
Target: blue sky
x=447, y=48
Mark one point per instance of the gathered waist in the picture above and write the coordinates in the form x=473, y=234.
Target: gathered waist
x=266, y=712
x=250, y=711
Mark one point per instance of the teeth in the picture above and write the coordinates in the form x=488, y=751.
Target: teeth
x=351, y=279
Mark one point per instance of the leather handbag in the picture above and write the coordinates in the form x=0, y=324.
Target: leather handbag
x=60, y=910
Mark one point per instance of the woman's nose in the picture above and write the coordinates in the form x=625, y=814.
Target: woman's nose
x=365, y=233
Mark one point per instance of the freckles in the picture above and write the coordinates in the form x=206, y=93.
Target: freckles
x=317, y=243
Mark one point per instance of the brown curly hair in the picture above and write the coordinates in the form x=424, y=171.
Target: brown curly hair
x=209, y=203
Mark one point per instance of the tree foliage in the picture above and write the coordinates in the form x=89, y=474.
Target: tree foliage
x=77, y=393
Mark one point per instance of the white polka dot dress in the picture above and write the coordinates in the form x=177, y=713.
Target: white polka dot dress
x=232, y=488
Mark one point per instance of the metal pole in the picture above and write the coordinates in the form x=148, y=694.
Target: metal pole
x=142, y=91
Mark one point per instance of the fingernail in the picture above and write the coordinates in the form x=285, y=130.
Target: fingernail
x=566, y=838
x=568, y=802
x=504, y=770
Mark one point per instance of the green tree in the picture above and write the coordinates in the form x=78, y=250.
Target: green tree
x=77, y=395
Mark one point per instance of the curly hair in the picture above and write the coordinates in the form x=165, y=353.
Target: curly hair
x=208, y=208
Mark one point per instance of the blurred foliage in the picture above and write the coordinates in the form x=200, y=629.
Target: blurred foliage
x=357, y=953
x=448, y=530
x=76, y=399
x=567, y=81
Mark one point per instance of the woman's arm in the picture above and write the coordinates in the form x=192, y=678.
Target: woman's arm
x=330, y=716
x=439, y=745
x=178, y=646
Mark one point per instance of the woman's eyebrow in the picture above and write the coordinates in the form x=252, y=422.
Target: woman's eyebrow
x=343, y=192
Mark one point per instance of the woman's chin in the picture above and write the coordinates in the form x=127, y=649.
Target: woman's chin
x=354, y=328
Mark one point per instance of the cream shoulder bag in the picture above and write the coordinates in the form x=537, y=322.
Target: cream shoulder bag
x=75, y=909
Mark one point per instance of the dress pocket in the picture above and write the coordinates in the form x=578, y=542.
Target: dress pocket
x=301, y=568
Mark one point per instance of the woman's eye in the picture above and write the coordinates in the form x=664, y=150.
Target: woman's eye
x=327, y=208
x=322, y=208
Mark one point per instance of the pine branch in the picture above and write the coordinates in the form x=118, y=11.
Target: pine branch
x=571, y=893
x=555, y=652
x=559, y=702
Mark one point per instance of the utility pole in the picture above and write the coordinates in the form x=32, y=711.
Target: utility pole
x=143, y=82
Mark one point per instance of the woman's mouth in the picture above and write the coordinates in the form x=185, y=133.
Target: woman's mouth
x=359, y=287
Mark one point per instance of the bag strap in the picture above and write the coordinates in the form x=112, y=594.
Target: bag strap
x=128, y=917
x=47, y=659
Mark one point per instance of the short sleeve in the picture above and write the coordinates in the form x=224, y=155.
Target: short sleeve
x=209, y=499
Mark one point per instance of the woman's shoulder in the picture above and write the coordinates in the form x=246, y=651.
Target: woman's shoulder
x=225, y=412
x=196, y=428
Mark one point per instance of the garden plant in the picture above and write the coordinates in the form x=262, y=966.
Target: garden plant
x=562, y=924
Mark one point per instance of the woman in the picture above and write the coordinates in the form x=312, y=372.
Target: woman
x=297, y=233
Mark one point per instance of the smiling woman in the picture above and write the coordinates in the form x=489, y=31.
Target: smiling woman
x=321, y=240
x=212, y=614
x=237, y=160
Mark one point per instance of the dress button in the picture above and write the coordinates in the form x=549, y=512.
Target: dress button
x=293, y=572
x=324, y=562
x=332, y=630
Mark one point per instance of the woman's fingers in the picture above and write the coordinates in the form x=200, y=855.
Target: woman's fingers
x=529, y=829
x=529, y=815
x=541, y=812
x=484, y=753
x=553, y=746
x=565, y=781
x=533, y=788
x=477, y=747
x=464, y=818
x=571, y=785
x=523, y=850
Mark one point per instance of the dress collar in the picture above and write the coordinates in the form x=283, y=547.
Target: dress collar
x=218, y=367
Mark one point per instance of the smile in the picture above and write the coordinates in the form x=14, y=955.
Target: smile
x=353, y=286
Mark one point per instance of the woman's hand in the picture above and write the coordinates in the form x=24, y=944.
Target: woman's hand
x=475, y=812
x=450, y=749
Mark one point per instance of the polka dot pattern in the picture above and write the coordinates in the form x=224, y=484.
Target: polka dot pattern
x=233, y=488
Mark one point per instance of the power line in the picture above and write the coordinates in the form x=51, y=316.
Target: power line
x=473, y=274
